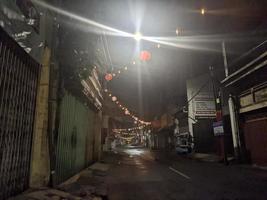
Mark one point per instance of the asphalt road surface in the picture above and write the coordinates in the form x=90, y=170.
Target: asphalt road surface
x=135, y=174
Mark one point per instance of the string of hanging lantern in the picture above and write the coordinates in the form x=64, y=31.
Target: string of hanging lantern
x=111, y=75
x=125, y=109
x=126, y=138
x=144, y=56
x=120, y=130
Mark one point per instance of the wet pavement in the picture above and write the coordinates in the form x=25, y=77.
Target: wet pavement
x=136, y=174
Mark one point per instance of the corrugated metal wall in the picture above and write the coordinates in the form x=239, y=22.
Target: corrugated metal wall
x=18, y=88
x=75, y=132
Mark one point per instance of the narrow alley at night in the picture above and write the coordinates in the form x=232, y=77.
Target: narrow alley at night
x=133, y=99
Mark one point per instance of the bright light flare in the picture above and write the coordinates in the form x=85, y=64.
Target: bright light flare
x=138, y=36
x=177, y=31
x=203, y=11
x=81, y=19
x=113, y=31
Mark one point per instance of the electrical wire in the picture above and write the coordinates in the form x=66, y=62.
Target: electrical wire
x=191, y=99
x=107, y=46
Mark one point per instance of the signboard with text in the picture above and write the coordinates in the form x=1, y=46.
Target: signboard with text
x=218, y=128
x=204, y=106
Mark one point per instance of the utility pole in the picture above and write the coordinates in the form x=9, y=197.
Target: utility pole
x=225, y=59
x=232, y=110
x=219, y=124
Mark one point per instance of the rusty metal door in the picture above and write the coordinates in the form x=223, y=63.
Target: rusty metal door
x=255, y=131
x=18, y=88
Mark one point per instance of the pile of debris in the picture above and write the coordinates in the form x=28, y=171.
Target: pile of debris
x=90, y=184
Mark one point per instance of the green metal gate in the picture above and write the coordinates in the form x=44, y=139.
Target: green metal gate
x=18, y=88
x=75, y=128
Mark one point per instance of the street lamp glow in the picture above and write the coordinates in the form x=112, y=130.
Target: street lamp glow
x=177, y=31
x=203, y=11
x=137, y=36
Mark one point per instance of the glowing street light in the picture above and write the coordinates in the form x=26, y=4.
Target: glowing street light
x=137, y=36
x=203, y=11
x=177, y=31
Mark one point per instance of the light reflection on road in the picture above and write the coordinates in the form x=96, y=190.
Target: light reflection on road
x=134, y=152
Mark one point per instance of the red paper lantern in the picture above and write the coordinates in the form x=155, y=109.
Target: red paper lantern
x=114, y=98
x=145, y=56
x=108, y=77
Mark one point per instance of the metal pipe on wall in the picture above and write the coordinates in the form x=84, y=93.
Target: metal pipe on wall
x=234, y=126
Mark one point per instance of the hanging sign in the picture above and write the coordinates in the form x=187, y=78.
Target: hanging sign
x=218, y=128
x=204, y=106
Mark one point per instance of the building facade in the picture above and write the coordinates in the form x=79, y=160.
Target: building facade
x=246, y=89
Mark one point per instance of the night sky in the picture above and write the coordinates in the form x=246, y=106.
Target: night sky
x=145, y=86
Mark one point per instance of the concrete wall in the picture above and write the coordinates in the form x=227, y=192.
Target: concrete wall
x=199, y=88
x=40, y=165
x=42, y=45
